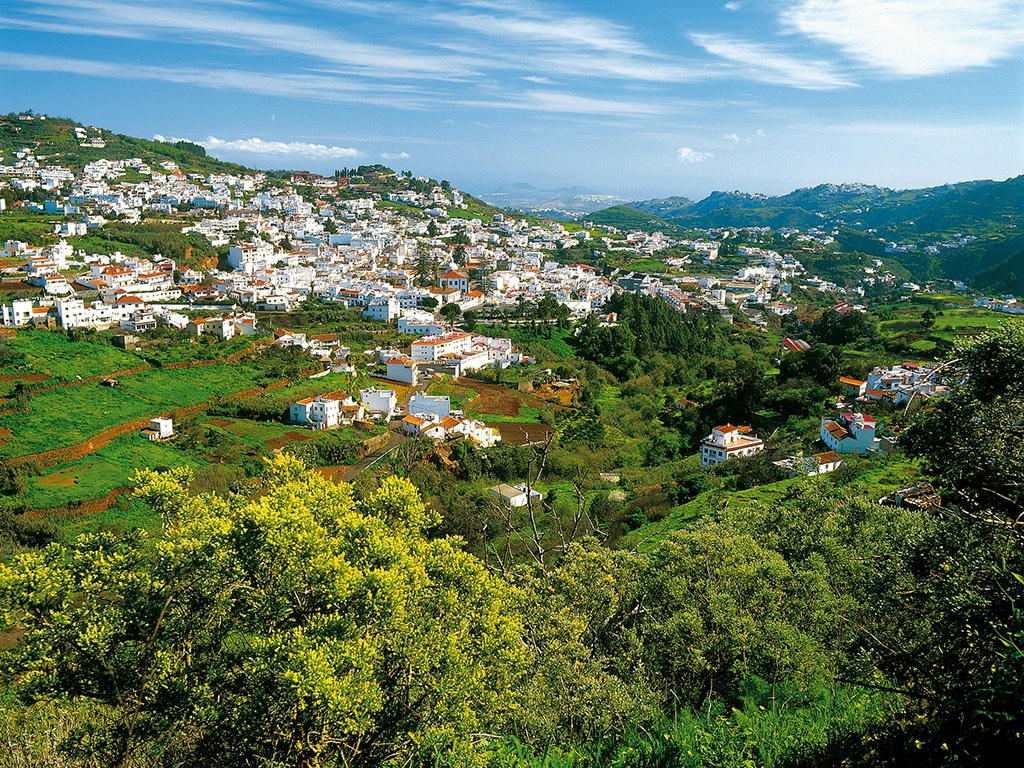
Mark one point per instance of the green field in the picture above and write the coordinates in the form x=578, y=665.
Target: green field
x=52, y=353
x=875, y=477
x=96, y=475
x=65, y=417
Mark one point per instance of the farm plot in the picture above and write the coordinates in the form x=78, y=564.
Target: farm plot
x=97, y=475
x=65, y=417
x=53, y=354
x=518, y=433
x=500, y=404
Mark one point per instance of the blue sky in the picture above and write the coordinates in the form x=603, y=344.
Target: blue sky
x=641, y=99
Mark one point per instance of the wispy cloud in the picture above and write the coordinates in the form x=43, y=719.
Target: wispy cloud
x=193, y=22
x=299, y=86
x=735, y=138
x=914, y=37
x=572, y=103
x=688, y=155
x=398, y=156
x=257, y=146
x=765, y=63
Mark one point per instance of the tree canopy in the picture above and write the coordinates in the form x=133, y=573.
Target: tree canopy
x=293, y=629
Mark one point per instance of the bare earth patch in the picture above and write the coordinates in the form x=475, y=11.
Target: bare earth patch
x=523, y=434
x=218, y=422
x=287, y=437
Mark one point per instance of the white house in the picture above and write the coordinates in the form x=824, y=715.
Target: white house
x=384, y=309
x=453, y=279
x=420, y=323
x=816, y=464
x=379, y=402
x=159, y=429
x=432, y=348
x=727, y=442
x=430, y=405
x=515, y=495
x=850, y=433
x=402, y=369
x=17, y=313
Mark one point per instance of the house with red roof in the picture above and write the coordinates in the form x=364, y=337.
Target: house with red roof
x=728, y=442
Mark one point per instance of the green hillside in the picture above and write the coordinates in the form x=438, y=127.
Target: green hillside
x=54, y=142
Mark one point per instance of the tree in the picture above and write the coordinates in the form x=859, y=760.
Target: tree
x=426, y=265
x=927, y=318
x=450, y=311
x=971, y=442
x=291, y=630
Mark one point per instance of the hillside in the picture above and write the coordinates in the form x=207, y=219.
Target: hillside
x=866, y=218
x=55, y=142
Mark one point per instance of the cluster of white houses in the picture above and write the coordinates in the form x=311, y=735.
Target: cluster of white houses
x=429, y=416
x=432, y=416
x=897, y=384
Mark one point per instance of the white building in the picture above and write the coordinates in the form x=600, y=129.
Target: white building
x=430, y=405
x=159, y=429
x=433, y=348
x=420, y=323
x=384, y=309
x=18, y=313
x=850, y=433
x=727, y=442
x=379, y=402
x=402, y=369
x=515, y=495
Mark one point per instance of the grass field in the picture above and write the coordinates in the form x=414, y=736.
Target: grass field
x=950, y=324
x=262, y=435
x=65, y=417
x=97, y=475
x=53, y=354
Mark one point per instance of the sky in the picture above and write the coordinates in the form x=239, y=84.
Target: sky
x=648, y=98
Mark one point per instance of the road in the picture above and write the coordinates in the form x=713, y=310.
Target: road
x=395, y=438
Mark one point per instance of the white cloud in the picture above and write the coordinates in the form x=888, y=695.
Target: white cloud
x=538, y=80
x=735, y=138
x=733, y=6
x=914, y=37
x=314, y=87
x=688, y=155
x=766, y=64
x=257, y=146
x=398, y=156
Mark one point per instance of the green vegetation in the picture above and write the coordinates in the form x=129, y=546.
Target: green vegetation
x=55, y=355
x=64, y=417
x=95, y=476
x=60, y=145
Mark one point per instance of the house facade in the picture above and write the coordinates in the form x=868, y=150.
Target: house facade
x=850, y=433
x=728, y=442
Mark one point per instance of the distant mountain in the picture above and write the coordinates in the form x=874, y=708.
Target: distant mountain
x=566, y=202
x=866, y=218
x=944, y=209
